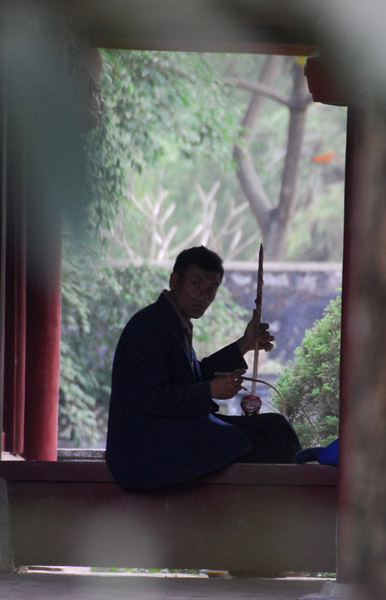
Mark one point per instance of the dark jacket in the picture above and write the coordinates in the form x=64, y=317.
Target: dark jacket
x=160, y=429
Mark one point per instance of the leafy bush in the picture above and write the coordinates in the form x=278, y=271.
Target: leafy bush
x=310, y=383
x=97, y=301
x=161, y=107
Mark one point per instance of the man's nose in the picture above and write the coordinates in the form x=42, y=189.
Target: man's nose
x=204, y=293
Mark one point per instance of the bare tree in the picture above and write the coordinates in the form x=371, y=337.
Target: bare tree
x=157, y=239
x=273, y=217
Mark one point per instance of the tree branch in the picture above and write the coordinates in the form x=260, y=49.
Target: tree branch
x=257, y=88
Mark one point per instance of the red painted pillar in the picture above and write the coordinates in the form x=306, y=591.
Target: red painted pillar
x=13, y=278
x=328, y=88
x=48, y=106
x=330, y=83
x=31, y=273
x=15, y=316
x=354, y=158
x=42, y=330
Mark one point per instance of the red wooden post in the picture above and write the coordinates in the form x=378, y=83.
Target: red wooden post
x=326, y=86
x=15, y=317
x=353, y=169
x=43, y=331
x=364, y=523
x=31, y=272
x=47, y=109
x=13, y=278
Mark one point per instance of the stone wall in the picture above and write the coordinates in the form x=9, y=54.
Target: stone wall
x=294, y=296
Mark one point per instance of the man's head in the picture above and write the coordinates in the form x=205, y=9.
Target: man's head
x=201, y=257
x=196, y=277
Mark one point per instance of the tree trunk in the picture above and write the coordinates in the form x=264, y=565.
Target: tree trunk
x=249, y=179
x=273, y=220
x=275, y=235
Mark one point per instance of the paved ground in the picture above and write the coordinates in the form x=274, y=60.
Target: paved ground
x=49, y=586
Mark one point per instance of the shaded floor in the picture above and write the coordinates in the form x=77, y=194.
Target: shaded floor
x=38, y=586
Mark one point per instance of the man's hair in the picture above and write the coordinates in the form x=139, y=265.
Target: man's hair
x=201, y=257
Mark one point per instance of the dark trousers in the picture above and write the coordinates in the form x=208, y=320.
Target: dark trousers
x=272, y=435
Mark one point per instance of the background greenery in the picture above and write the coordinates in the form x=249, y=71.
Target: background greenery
x=310, y=383
x=162, y=176
x=171, y=125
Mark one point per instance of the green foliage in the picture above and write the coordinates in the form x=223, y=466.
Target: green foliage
x=161, y=102
x=171, y=123
x=97, y=301
x=310, y=383
x=161, y=107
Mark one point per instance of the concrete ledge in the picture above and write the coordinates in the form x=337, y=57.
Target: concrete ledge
x=235, y=474
x=247, y=518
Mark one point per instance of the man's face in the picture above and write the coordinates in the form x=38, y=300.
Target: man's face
x=195, y=291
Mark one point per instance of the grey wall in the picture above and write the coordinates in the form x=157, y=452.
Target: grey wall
x=294, y=296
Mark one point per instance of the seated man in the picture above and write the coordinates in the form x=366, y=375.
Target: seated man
x=161, y=427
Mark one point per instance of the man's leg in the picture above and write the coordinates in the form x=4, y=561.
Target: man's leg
x=273, y=437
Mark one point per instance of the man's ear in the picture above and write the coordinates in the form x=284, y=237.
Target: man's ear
x=173, y=280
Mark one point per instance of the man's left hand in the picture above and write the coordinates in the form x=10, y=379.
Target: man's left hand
x=256, y=332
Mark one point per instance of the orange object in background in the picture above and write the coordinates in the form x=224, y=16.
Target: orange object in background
x=324, y=158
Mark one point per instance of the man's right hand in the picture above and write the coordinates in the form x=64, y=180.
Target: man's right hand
x=226, y=385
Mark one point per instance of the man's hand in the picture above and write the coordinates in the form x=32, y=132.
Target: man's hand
x=254, y=333
x=226, y=385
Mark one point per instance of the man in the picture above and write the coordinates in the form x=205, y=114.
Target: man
x=161, y=428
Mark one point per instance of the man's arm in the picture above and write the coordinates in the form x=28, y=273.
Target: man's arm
x=231, y=358
x=229, y=361
x=151, y=375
